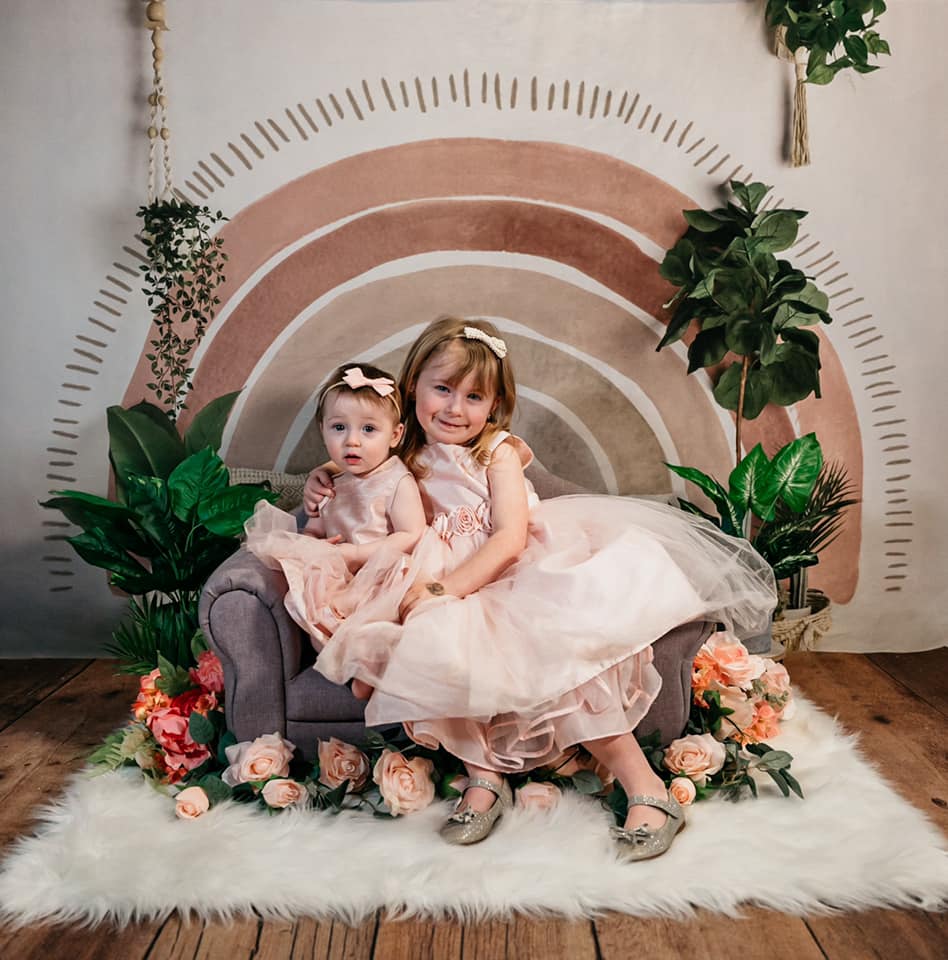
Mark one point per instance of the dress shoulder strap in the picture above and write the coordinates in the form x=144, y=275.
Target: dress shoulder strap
x=523, y=451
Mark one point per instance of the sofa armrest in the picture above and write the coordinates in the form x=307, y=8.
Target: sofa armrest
x=246, y=624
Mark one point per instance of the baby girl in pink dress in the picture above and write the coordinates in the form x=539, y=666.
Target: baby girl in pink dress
x=522, y=627
x=357, y=544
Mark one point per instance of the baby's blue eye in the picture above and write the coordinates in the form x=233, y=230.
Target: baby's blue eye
x=441, y=388
x=337, y=427
x=369, y=428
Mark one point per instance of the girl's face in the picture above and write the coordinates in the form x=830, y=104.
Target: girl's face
x=450, y=413
x=359, y=434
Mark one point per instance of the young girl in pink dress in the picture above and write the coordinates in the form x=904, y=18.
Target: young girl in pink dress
x=358, y=541
x=524, y=627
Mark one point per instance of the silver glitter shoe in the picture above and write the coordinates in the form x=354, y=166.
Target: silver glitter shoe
x=469, y=826
x=640, y=843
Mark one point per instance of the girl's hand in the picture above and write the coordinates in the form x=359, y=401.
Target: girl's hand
x=318, y=485
x=417, y=593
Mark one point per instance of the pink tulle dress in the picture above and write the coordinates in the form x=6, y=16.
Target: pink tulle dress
x=555, y=651
x=321, y=590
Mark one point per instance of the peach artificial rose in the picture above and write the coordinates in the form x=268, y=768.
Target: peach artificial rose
x=733, y=698
x=697, y=756
x=683, y=790
x=339, y=761
x=282, y=793
x=736, y=666
x=149, y=698
x=538, y=796
x=191, y=803
x=406, y=785
x=209, y=673
x=267, y=756
x=775, y=679
x=766, y=724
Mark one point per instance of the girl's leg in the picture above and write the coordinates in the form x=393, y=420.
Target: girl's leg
x=623, y=756
x=480, y=799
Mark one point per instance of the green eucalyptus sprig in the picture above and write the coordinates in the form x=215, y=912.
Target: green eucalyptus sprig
x=823, y=26
x=184, y=269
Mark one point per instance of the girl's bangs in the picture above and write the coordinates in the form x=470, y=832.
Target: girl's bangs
x=476, y=358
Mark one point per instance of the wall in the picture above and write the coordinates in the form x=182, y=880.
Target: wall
x=385, y=162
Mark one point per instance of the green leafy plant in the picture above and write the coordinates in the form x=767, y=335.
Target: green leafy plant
x=185, y=267
x=175, y=517
x=747, y=302
x=794, y=502
x=837, y=34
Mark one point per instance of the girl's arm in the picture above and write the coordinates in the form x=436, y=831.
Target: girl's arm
x=407, y=517
x=318, y=485
x=509, y=516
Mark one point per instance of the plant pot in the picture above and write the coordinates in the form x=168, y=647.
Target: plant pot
x=802, y=628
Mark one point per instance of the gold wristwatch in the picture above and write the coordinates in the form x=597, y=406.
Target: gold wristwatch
x=435, y=589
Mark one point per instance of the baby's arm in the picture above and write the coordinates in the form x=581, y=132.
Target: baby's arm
x=318, y=485
x=315, y=527
x=407, y=517
x=509, y=516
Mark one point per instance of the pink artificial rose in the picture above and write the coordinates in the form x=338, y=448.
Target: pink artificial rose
x=465, y=522
x=697, y=756
x=191, y=803
x=775, y=679
x=169, y=727
x=765, y=726
x=267, y=756
x=733, y=698
x=339, y=761
x=209, y=674
x=737, y=667
x=538, y=796
x=406, y=785
x=282, y=793
x=149, y=698
x=683, y=790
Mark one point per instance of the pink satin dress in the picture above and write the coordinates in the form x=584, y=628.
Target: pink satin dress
x=321, y=592
x=555, y=651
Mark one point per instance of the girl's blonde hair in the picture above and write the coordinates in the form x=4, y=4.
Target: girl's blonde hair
x=391, y=403
x=492, y=374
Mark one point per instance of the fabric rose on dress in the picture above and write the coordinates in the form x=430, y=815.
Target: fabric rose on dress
x=697, y=756
x=339, y=761
x=282, y=793
x=208, y=673
x=406, y=785
x=683, y=790
x=538, y=796
x=734, y=664
x=267, y=756
x=442, y=526
x=191, y=803
x=149, y=698
x=465, y=522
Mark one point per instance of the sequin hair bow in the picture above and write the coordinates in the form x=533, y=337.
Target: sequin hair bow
x=355, y=378
x=497, y=345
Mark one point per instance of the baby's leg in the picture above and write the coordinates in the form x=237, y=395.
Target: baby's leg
x=624, y=757
x=361, y=690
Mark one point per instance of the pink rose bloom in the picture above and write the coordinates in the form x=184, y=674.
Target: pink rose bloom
x=765, y=726
x=267, y=756
x=282, y=793
x=775, y=679
x=406, y=785
x=538, y=796
x=191, y=803
x=339, y=761
x=737, y=700
x=149, y=698
x=737, y=667
x=209, y=673
x=466, y=522
x=683, y=790
x=697, y=756
x=169, y=727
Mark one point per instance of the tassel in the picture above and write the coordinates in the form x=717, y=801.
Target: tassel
x=800, y=131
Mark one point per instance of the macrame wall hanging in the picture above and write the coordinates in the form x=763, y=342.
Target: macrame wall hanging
x=159, y=134
x=820, y=38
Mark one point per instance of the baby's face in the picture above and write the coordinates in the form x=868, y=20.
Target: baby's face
x=359, y=434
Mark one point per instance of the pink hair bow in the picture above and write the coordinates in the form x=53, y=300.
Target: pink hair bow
x=355, y=378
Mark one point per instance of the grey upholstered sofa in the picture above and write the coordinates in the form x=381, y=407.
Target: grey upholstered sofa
x=270, y=685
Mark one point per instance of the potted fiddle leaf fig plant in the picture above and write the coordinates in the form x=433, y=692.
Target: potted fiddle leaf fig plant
x=747, y=304
x=174, y=518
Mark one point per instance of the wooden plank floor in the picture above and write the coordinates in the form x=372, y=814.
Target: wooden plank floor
x=53, y=712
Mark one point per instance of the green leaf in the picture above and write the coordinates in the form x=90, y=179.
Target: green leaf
x=207, y=427
x=137, y=444
x=678, y=324
x=794, y=373
x=757, y=389
x=96, y=548
x=820, y=75
x=796, y=468
x=202, y=729
x=778, y=779
x=198, y=644
x=775, y=230
x=225, y=512
x=750, y=194
x=676, y=265
x=703, y=221
x=856, y=47
x=707, y=348
x=217, y=791
x=585, y=781
x=744, y=335
x=792, y=783
x=197, y=478
x=173, y=679
x=228, y=739
x=789, y=565
x=774, y=760
x=748, y=479
x=732, y=517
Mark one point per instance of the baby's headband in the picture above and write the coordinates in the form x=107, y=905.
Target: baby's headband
x=495, y=343
x=355, y=379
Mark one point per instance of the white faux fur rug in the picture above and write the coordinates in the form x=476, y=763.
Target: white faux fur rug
x=112, y=848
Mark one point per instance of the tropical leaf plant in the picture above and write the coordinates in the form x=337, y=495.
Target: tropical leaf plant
x=746, y=303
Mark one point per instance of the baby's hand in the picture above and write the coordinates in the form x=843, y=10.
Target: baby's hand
x=318, y=485
x=349, y=553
